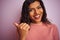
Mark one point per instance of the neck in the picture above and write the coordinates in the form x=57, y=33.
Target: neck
x=37, y=23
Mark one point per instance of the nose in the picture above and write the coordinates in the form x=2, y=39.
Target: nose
x=35, y=11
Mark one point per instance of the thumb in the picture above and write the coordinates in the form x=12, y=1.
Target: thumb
x=16, y=24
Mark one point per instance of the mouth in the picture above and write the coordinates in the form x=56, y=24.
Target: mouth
x=37, y=16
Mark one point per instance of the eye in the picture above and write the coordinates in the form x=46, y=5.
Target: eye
x=39, y=7
x=30, y=10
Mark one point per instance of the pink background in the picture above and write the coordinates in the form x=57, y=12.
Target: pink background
x=10, y=13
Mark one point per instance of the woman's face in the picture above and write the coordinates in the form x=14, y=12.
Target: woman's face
x=35, y=12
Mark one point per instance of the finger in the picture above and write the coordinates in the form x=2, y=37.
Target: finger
x=24, y=28
x=16, y=24
x=18, y=27
x=22, y=25
x=28, y=27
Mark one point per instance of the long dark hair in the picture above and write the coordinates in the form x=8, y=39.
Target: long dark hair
x=25, y=13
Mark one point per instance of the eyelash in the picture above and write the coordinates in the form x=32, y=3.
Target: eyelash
x=30, y=10
x=39, y=7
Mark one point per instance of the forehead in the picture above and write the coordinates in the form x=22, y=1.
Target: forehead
x=34, y=4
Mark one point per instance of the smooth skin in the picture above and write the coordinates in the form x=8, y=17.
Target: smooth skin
x=35, y=12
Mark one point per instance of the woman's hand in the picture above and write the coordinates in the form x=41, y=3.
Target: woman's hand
x=22, y=29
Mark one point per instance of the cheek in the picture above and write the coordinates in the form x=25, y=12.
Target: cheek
x=31, y=13
x=41, y=11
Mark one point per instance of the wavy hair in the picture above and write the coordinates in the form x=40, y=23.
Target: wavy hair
x=25, y=12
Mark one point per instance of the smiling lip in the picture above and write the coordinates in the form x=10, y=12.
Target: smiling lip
x=37, y=16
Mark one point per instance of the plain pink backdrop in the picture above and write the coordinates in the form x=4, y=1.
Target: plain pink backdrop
x=10, y=13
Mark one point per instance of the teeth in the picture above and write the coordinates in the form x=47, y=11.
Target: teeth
x=37, y=16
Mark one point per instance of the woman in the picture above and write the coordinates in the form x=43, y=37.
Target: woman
x=34, y=24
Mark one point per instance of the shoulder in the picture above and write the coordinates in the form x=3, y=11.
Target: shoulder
x=53, y=27
x=55, y=31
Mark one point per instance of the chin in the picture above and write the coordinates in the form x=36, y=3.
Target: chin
x=37, y=21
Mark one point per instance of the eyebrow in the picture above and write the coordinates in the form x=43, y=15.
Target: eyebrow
x=36, y=7
x=39, y=6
